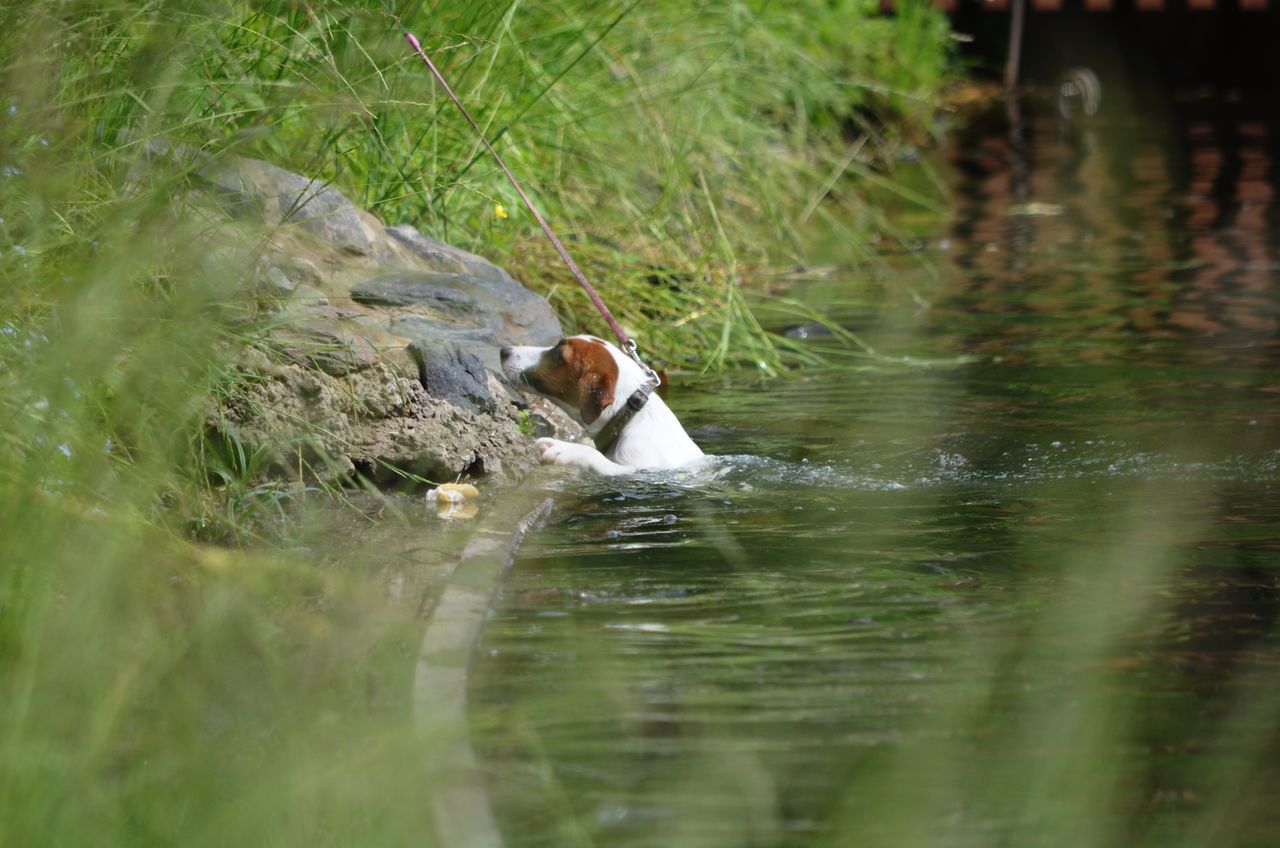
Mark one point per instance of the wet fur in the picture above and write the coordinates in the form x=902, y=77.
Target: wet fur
x=578, y=372
x=591, y=378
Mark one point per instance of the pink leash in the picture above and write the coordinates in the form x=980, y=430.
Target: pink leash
x=627, y=343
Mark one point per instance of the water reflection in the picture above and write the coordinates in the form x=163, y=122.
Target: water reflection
x=1153, y=242
x=1028, y=599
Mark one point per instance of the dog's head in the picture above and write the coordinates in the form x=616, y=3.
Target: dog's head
x=583, y=374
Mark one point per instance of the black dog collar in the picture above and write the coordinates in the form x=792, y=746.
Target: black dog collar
x=609, y=433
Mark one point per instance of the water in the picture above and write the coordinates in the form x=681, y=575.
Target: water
x=1027, y=594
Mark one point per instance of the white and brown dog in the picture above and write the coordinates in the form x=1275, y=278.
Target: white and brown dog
x=590, y=378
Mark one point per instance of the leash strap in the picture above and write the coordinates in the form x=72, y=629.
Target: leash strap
x=628, y=344
x=609, y=433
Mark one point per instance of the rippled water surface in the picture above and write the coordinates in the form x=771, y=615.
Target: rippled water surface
x=1024, y=594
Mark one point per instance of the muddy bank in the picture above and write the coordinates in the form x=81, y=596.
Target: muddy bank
x=375, y=348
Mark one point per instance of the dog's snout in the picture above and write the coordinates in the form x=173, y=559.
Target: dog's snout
x=504, y=354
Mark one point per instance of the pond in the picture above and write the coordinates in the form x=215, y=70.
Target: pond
x=1014, y=580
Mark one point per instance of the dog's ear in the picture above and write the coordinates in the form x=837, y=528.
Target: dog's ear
x=595, y=393
x=596, y=372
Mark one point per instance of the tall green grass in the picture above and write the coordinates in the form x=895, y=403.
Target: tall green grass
x=681, y=149
x=651, y=133
x=153, y=691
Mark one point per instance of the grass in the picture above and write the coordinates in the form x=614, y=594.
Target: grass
x=156, y=691
x=153, y=690
x=683, y=152
x=634, y=126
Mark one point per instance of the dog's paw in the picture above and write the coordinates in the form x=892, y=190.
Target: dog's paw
x=555, y=452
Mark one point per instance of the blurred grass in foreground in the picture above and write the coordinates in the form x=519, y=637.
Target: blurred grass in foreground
x=1083, y=661
x=155, y=692
x=678, y=148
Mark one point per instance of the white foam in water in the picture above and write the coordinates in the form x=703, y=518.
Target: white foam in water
x=934, y=467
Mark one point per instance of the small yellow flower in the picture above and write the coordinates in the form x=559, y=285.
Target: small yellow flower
x=499, y=212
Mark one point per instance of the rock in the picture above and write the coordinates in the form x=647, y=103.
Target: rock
x=284, y=273
x=551, y=421
x=445, y=257
x=253, y=188
x=526, y=314
x=454, y=375
x=393, y=380
x=479, y=342
x=450, y=294
x=373, y=422
x=305, y=296
x=277, y=281
x=485, y=313
x=402, y=363
x=302, y=270
x=376, y=328
x=506, y=392
x=342, y=352
x=332, y=348
x=329, y=311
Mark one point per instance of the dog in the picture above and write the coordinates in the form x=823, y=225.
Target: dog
x=595, y=381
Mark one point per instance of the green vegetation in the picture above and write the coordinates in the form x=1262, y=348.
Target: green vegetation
x=152, y=691
x=156, y=690
x=676, y=148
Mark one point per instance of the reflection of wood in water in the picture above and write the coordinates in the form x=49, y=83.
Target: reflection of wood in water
x=1151, y=234
x=1230, y=198
x=1104, y=5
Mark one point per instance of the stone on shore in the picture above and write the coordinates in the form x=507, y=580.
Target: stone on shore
x=251, y=188
x=454, y=375
x=381, y=355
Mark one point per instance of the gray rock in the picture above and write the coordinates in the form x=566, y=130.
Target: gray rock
x=445, y=257
x=299, y=269
x=343, y=353
x=329, y=312
x=550, y=420
x=395, y=379
x=489, y=313
x=480, y=342
x=453, y=294
x=253, y=188
x=453, y=375
x=528, y=318
x=306, y=297
x=369, y=422
x=332, y=348
x=275, y=280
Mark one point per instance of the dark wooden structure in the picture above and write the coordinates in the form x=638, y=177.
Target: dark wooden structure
x=1148, y=46
x=1105, y=5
